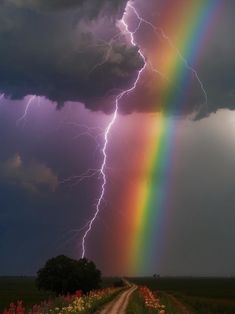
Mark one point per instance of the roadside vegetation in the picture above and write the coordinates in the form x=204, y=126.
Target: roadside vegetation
x=154, y=296
x=20, y=288
x=77, y=303
x=194, y=295
x=136, y=305
x=60, y=281
x=171, y=307
x=144, y=301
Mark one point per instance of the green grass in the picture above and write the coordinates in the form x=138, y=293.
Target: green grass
x=218, y=288
x=136, y=305
x=20, y=288
x=209, y=306
x=100, y=304
x=202, y=295
x=170, y=306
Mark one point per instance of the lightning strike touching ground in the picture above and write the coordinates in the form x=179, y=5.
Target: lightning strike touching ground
x=102, y=170
x=31, y=99
x=160, y=31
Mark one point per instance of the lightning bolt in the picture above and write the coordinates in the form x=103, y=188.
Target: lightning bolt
x=109, y=44
x=108, y=130
x=88, y=131
x=107, y=55
x=31, y=99
x=88, y=174
x=160, y=31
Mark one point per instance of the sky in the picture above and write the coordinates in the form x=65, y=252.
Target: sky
x=62, y=64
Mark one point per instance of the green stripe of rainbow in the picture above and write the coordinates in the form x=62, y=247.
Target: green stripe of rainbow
x=187, y=23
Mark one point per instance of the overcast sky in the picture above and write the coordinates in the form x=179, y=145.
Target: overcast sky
x=52, y=50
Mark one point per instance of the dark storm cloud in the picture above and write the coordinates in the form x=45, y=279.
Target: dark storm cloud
x=214, y=63
x=88, y=9
x=49, y=50
x=57, y=49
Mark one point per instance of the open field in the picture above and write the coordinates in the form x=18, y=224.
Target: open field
x=23, y=288
x=180, y=295
x=20, y=288
x=194, y=295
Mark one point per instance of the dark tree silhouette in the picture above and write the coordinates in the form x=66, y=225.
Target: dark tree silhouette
x=65, y=275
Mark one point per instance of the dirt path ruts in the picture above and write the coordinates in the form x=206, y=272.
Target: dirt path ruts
x=119, y=305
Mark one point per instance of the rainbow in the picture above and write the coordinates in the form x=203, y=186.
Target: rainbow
x=188, y=24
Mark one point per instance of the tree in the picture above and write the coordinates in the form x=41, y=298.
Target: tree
x=65, y=275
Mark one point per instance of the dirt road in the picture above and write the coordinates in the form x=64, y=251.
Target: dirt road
x=119, y=305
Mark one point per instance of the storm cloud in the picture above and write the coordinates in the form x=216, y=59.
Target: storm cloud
x=213, y=61
x=73, y=51
x=90, y=9
x=57, y=50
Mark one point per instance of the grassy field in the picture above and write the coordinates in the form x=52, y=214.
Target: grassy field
x=20, y=288
x=136, y=305
x=23, y=288
x=201, y=295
